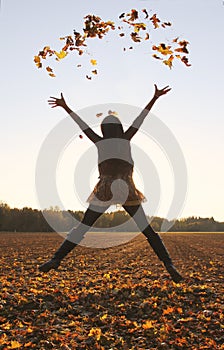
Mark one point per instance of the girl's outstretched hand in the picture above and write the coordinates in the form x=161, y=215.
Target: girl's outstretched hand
x=57, y=102
x=161, y=92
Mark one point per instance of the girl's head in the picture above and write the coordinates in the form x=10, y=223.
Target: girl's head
x=111, y=127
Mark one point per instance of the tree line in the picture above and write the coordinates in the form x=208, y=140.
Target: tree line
x=33, y=220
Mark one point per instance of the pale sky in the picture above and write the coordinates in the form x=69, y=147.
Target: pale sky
x=193, y=110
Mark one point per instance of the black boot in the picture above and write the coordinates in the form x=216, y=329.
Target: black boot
x=54, y=263
x=157, y=245
x=176, y=277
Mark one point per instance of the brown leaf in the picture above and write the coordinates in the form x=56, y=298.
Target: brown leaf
x=146, y=13
x=155, y=20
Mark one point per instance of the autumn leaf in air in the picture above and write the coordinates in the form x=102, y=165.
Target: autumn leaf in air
x=146, y=13
x=37, y=61
x=155, y=20
x=122, y=15
x=133, y=23
x=135, y=37
x=184, y=59
x=112, y=112
x=93, y=62
x=133, y=15
x=147, y=36
x=139, y=26
x=166, y=24
x=61, y=54
x=169, y=62
x=164, y=50
x=157, y=57
x=175, y=40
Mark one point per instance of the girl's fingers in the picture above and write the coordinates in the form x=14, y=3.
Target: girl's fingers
x=52, y=103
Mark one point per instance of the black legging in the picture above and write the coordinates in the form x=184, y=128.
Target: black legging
x=137, y=213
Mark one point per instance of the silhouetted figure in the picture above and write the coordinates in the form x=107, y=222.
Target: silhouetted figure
x=116, y=185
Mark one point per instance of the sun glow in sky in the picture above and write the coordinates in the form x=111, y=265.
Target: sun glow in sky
x=193, y=110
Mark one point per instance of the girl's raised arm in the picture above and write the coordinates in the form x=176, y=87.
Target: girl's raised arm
x=131, y=131
x=60, y=102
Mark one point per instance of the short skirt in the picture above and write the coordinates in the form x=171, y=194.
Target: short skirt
x=119, y=190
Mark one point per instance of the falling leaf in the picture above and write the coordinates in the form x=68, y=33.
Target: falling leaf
x=139, y=26
x=52, y=75
x=49, y=69
x=147, y=36
x=133, y=15
x=184, y=59
x=157, y=57
x=95, y=27
x=181, y=49
x=94, y=71
x=122, y=15
x=61, y=54
x=112, y=112
x=166, y=24
x=135, y=37
x=146, y=13
x=93, y=62
x=183, y=43
x=169, y=62
x=99, y=115
x=37, y=60
x=155, y=20
x=175, y=40
x=163, y=49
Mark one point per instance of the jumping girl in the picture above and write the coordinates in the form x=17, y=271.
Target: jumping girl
x=115, y=185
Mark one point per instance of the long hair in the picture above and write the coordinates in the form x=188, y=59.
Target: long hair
x=111, y=127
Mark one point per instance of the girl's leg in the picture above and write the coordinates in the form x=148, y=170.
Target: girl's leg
x=74, y=237
x=91, y=215
x=138, y=214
